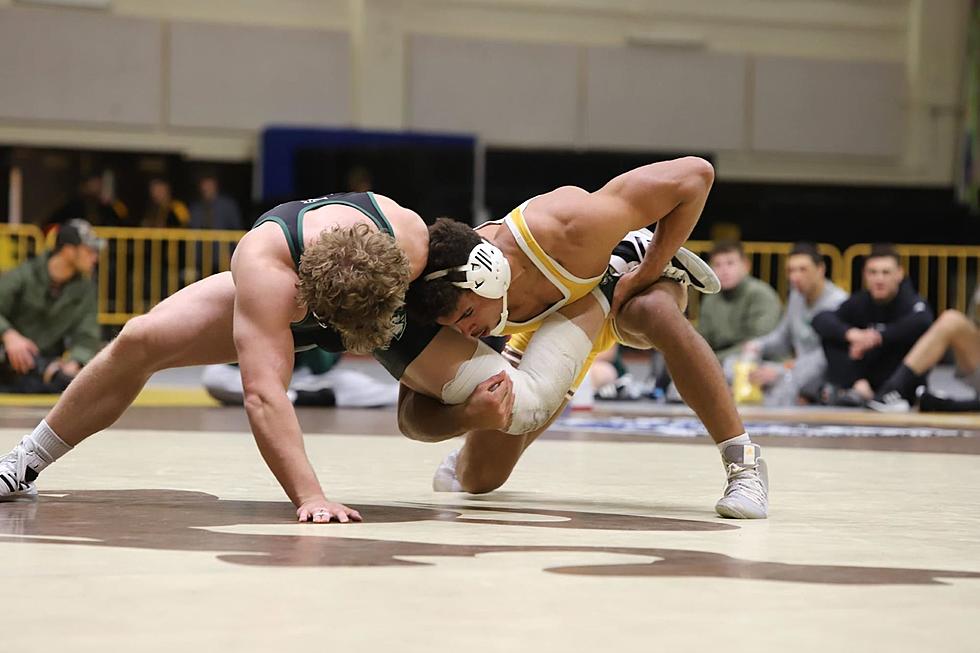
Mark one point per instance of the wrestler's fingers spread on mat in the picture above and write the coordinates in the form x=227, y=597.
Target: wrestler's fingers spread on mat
x=323, y=512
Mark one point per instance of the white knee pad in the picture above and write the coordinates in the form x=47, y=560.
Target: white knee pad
x=553, y=360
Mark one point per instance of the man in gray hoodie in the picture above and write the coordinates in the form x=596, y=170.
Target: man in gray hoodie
x=793, y=344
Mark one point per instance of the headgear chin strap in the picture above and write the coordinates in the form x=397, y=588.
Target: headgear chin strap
x=487, y=273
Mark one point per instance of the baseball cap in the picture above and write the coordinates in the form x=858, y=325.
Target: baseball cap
x=79, y=232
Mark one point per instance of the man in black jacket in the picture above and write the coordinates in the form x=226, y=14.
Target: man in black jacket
x=867, y=337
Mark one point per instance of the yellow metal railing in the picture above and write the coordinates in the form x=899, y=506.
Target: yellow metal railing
x=944, y=275
x=18, y=242
x=140, y=267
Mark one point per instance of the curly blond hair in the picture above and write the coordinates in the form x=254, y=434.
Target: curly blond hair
x=354, y=279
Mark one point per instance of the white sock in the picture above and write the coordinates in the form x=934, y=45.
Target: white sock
x=738, y=439
x=445, y=478
x=45, y=445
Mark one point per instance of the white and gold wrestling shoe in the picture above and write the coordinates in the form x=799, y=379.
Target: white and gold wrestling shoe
x=697, y=272
x=747, y=488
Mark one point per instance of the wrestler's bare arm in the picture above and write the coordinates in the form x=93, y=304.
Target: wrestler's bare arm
x=264, y=304
x=671, y=194
x=488, y=405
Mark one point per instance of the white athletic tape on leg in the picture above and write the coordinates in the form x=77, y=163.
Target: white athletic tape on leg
x=553, y=360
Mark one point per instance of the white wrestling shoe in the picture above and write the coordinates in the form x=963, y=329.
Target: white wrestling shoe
x=699, y=274
x=14, y=474
x=747, y=490
x=444, y=480
x=685, y=267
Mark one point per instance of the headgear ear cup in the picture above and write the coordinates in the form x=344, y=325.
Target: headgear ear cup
x=487, y=273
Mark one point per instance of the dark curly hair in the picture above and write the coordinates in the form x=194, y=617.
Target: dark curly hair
x=450, y=244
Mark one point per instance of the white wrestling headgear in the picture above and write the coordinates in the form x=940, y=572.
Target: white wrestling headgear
x=487, y=273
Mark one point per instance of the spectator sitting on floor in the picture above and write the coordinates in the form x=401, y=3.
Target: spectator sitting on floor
x=952, y=330
x=746, y=307
x=793, y=342
x=867, y=337
x=316, y=382
x=163, y=210
x=48, y=314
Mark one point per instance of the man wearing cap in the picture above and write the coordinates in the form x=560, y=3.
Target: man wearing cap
x=48, y=314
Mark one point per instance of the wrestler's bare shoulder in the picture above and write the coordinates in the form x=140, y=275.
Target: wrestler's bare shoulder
x=556, y=221
x=264, y=244
x=558, y=203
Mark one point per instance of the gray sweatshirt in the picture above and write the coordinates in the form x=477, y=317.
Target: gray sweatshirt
x=794, y=336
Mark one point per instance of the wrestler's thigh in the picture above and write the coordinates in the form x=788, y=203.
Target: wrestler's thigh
x=193, y=326
x=641, y=321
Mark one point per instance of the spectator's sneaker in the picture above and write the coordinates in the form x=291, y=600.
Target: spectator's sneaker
x=831, y=395
x=351, y=388
x=747, y=491
x=354, y=389
x=936, y=403
x=890, y=402
x=16, y=478
x=444, y=480
x=622, y=389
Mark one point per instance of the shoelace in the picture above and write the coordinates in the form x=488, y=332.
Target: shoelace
x=676, y=274
x=746, y=481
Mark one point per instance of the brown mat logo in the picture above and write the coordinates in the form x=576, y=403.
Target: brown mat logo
x=178, y=521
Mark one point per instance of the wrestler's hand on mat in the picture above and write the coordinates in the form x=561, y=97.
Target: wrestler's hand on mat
x=321, y=511
x=490, y=404
x=20, y=351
